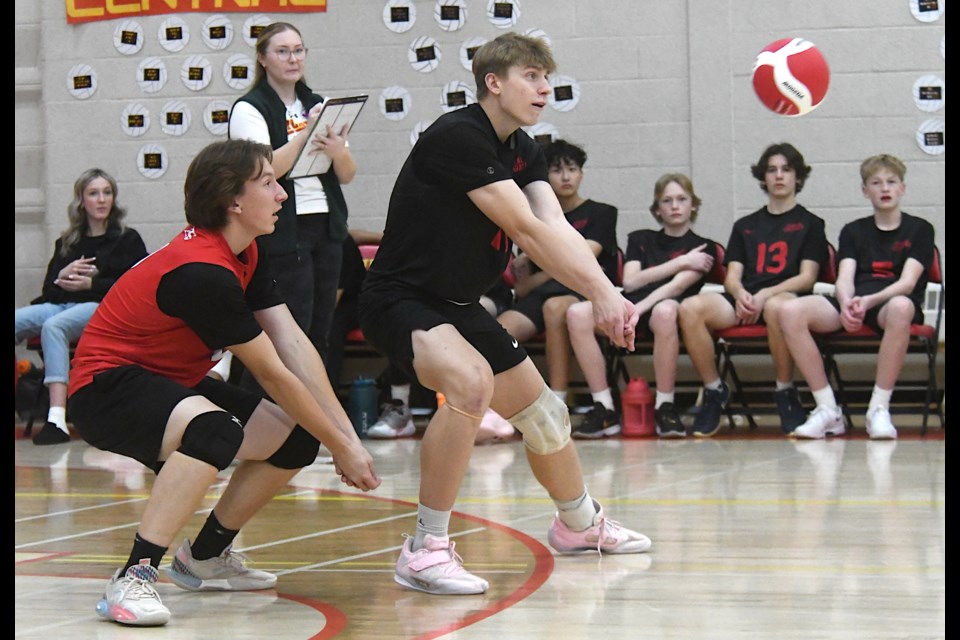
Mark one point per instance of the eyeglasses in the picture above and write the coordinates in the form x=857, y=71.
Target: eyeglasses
x=284, y=54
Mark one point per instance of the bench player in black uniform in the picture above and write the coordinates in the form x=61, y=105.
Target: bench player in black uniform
x=541, y=302
x=661, y=268
x=883, y=261
x=773, y=255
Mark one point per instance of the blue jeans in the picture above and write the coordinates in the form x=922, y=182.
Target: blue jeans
x=57, y=325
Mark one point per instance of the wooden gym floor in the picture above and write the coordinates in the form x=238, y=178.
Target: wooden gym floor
x=754, y=536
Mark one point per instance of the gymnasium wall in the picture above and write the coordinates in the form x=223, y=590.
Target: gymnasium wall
x=658, y=86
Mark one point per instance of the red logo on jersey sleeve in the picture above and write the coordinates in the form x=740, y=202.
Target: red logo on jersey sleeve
x=519, y=164
x=500, y=241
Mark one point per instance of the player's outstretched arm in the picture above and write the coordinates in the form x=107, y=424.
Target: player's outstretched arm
x=533, y=219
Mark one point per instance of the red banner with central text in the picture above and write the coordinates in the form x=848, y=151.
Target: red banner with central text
x=79, y=11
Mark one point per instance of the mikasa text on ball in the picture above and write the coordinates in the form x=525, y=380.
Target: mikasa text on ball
x=791, y=76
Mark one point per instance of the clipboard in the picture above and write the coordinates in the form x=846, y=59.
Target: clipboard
x=336, y=113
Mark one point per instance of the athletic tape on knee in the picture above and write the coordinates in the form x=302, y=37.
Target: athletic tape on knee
x=461, y=411
x=297, y=451
x=213, y=437
x=545, y=424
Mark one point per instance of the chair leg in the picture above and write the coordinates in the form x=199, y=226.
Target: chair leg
x=833, y=374
x=931, y=388
x=616, y=370
x=728, y=370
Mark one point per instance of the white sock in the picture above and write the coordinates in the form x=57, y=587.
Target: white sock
x=663, y=397
x=880, y=397
x=431, y=521
x=400, y=392
x=58, y=416
x=784, y=385
x=560, y=393
x=604, y=397
x=577, y=514
x=715, y=385
x=825, y=398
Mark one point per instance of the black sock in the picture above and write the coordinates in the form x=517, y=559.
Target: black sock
x=212, y=539
x=142, y=549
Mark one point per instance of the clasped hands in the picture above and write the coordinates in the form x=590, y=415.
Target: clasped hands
x=78, y=275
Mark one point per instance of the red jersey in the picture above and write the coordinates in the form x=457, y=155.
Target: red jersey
x=130, y=327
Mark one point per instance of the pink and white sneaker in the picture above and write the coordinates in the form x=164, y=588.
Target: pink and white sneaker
x=605, y=536
x=131, y=598
x=436, y=569
x=494, y=428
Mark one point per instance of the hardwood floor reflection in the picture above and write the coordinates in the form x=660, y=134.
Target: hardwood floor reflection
x=753, y=536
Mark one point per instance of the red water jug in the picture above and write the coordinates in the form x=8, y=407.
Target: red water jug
x=638, y=408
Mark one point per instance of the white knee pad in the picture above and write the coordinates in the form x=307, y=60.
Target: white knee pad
x=545, y=424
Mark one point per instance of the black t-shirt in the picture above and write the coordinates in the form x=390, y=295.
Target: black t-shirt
x=771, y=247
x=210, y=301
x=435, y=239
x=596, y=221
x=880, y=255
x=652, y=248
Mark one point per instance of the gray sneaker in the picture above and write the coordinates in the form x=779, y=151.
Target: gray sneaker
x=395, y=421
x=226, y=572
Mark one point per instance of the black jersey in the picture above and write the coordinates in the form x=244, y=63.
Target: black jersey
x=771, y=247
x=598, y=222
x=435, y=239
x=880, y=255
x=652, y=248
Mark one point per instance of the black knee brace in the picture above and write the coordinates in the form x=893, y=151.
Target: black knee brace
x=213, y=437
x=297, y=451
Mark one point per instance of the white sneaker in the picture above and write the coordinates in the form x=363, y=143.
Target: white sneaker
x=395, y=421
x=822, y=422
x=436, y=569
x=879, y=426
x=131, y=598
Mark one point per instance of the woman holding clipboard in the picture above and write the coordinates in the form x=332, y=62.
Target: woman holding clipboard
x=305, y=250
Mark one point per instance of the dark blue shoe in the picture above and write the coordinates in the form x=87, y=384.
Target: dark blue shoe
x=707, y=421
x=791, y=411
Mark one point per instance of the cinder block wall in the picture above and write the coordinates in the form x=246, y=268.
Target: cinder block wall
x=664, y=86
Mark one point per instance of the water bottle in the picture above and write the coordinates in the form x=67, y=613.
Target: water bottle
x=638, y=409
x=362, y=404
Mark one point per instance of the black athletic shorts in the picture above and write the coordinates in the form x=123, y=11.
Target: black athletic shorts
x=531, y=305
x=125, y=410
x=388, y=319
x=870, y=317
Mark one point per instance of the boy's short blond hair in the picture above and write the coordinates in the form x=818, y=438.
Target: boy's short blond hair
x=509, y=50
x=882, y=161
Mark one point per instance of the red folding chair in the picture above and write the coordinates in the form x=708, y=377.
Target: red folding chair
x=751, y=340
